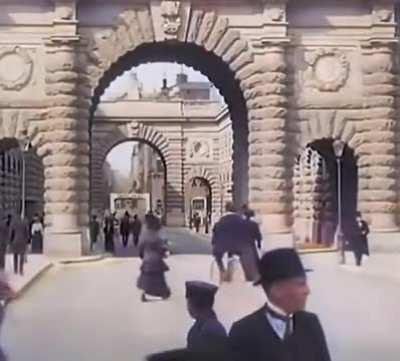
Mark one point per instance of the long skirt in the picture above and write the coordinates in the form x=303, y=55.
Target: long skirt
x=37, y=242
x=153, y=283
x=109, y=242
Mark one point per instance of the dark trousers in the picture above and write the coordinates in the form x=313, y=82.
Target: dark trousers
x=358, y=256
x=248, y=260
x=19, y=263
x=125, y=237
x=135, y=239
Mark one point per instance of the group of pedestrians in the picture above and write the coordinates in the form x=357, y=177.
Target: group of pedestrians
x=281, y=330
x=127, y=225
x=15, y=235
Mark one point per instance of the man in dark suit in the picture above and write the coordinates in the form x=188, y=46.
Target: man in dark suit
x=281, y=330
x=232, y=235
x=19, y=238
x=136, y=228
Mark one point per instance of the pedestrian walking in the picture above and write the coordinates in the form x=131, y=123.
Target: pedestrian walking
x=4, y=240
x=359, y=239
x=19, y=238
x=108, y=229
x=124, y=228
x=206, y=224
x=231, y=234
x=196, y=222
x=281, y=330
x=207, y=335
x=94, y=229
x=136, y=228
x=37, y=231
x=152, y=251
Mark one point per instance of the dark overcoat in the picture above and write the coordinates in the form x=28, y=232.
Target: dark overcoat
x=230, y=234
x=19, y=235
x=253, y=338
x=207, y=333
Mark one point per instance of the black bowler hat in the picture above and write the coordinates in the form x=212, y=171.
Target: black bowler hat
x=200, y=290
x=280, y=264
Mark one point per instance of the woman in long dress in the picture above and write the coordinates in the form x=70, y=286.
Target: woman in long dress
x=152, y=250
x=37, y=235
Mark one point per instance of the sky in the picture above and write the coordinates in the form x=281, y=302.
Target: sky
x=150, y=75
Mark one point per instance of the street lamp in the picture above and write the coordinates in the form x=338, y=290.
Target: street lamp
x=338, y=148
x=25, y=147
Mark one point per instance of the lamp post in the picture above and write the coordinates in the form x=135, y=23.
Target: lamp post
x=338, y=147
x=25, y=147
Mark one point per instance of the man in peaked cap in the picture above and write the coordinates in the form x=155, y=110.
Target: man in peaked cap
x=281, y=330
x=207, y=333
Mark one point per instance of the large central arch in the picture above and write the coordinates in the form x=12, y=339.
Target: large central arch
x=216, y=52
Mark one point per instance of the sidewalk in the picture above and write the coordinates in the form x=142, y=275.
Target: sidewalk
x=37, y=264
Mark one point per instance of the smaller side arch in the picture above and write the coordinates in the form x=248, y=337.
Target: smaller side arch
x=210, y=176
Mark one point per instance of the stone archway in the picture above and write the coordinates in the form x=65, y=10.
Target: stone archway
x=101, y=146
x=255, y=89
x=212, y=180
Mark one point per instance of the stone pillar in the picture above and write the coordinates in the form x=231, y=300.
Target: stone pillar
x=378, y=161
x=175, y=199
x=270, y=168
x=65, y=151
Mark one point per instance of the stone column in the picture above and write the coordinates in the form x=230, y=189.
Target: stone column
x=65, y=155
x=175, y=199
x=270, y=168
x=378, y=161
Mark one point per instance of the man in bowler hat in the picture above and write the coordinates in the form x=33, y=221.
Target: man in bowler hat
x=207, y=333
x=281, y=330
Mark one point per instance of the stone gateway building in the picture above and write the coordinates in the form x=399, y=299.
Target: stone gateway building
x=294, y=74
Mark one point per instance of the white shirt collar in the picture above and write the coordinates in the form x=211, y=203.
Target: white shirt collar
x=277, y=309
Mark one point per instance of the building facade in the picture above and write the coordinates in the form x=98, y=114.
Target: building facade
x=291, y=72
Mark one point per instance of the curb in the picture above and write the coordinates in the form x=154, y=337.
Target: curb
x=90, y=259
x=29, y=284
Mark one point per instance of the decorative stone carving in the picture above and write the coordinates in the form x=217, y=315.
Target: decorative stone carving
x=16, y=68
x=171, y=13
x=328, y=70
x=133, y=129
x=383, y=14
x=64, y=12
x=199, y=149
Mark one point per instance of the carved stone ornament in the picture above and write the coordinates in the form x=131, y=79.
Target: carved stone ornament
x=382, y=14
x=133, y=129
x=199, y=149
x=64, y=12
x=328, y=69
x=171, y=14
x=16, y=68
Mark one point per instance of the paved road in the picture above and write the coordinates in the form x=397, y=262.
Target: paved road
x=93, y=311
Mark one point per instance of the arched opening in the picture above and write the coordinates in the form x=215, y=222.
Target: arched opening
x=316, y=194
x=220, y=75
x=198, y=202
x=134, y=174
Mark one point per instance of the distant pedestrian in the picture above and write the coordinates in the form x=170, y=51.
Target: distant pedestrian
x=207, y=335
x=19, y=238
x=124, y=228
x=206, y=224
x=152, y=251
x=136, y=228
x=108, y=229
x=4, y=240
x=359, y=239
x=94, y=228
x=37, y=231
x=281, y=330
x=231, y=235
x=196, y=222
